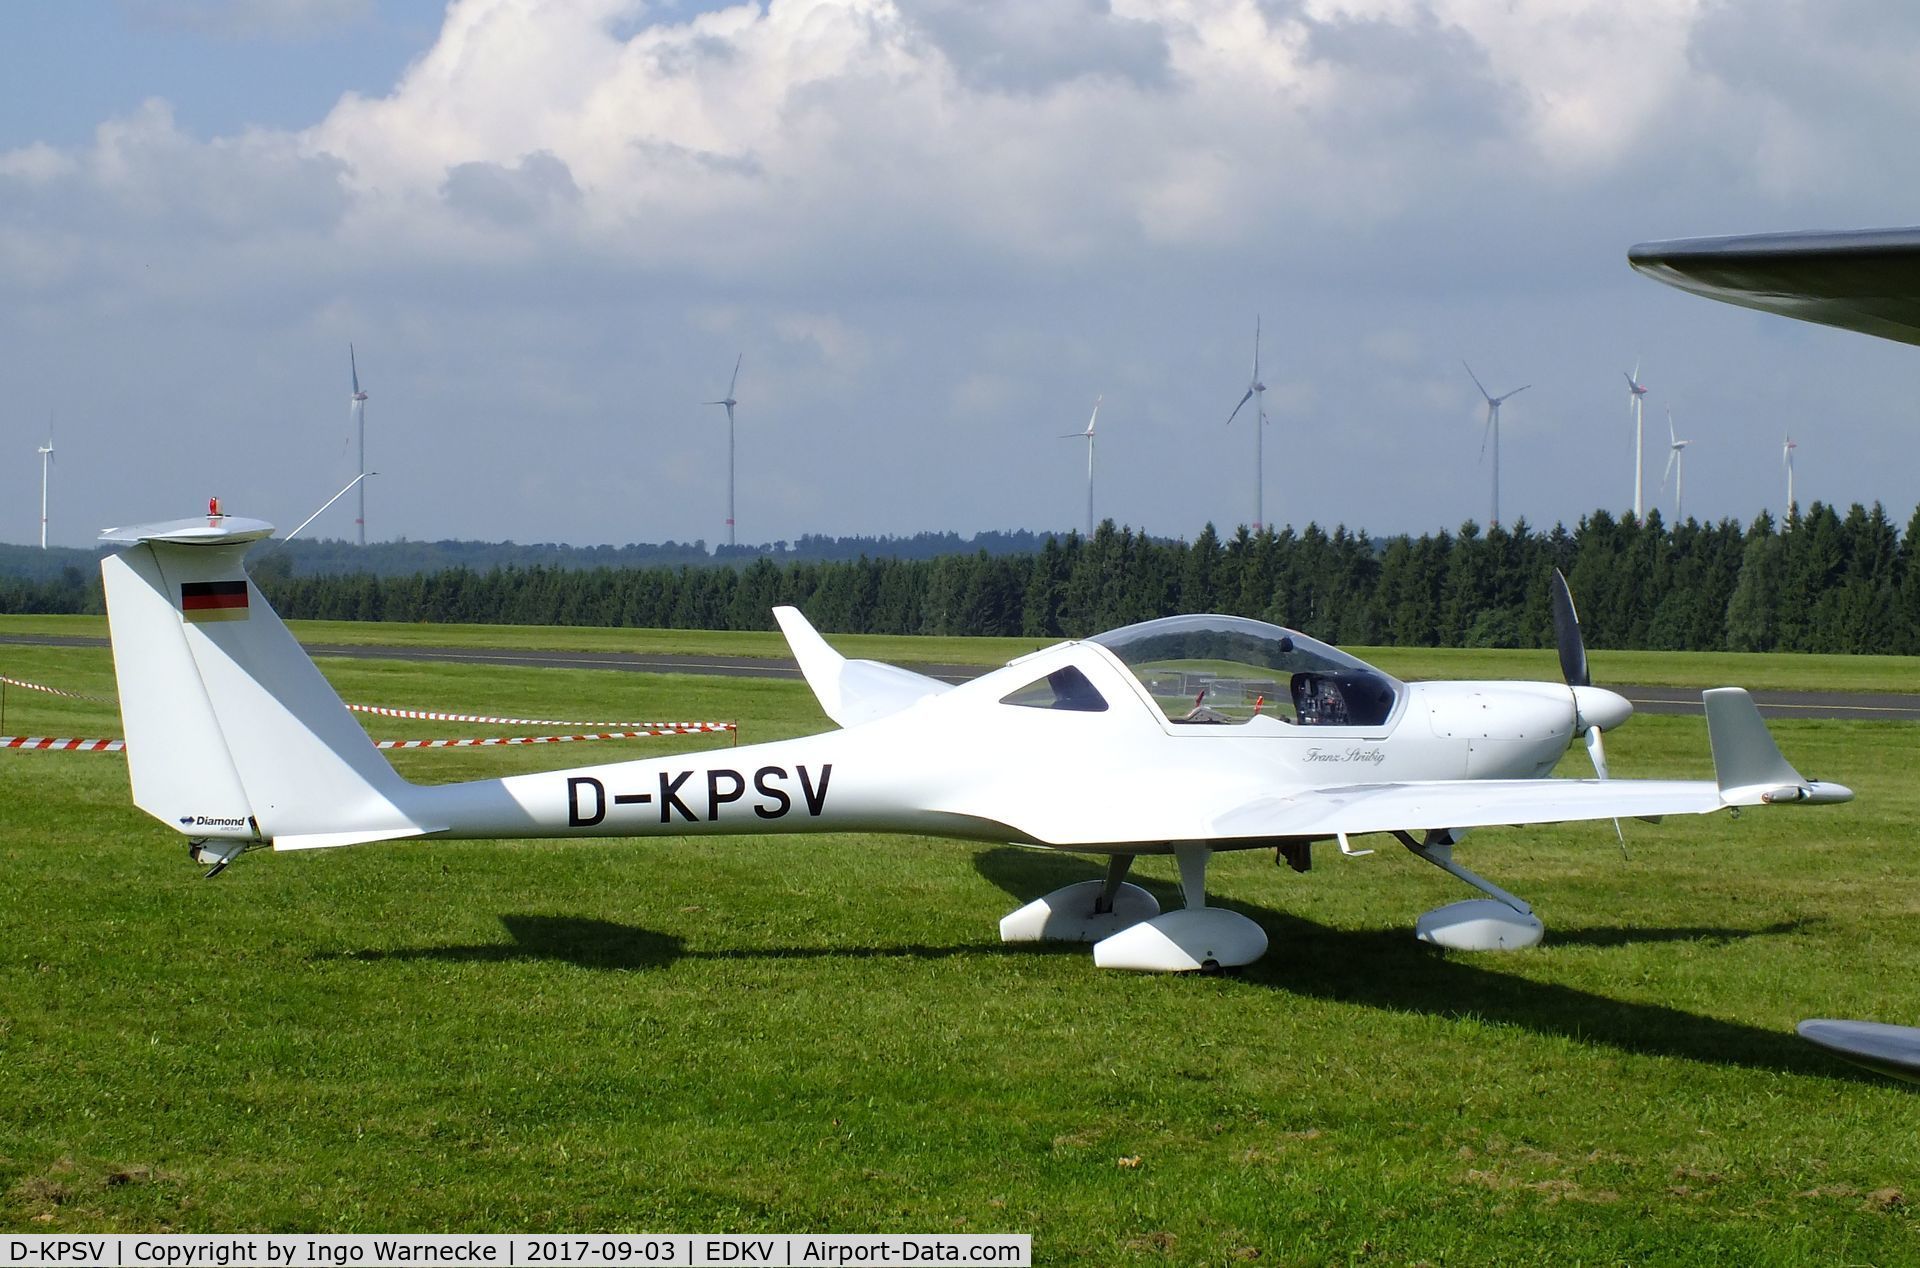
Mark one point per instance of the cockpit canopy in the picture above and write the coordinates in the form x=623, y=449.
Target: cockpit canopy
x=1227, y=669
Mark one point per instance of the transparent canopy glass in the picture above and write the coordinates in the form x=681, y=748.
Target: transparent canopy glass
x=1227, y=669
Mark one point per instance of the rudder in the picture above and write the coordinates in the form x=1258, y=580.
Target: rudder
x=231, y=730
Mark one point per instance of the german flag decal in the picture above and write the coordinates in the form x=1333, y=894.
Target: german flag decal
x=213, y=600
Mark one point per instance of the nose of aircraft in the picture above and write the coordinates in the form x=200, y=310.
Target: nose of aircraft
x=1602, y=708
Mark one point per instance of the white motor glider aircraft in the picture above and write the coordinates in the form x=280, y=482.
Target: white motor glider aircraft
x=1180, y=736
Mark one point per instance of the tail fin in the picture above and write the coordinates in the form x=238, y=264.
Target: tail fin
x=851, y=691
x=231, y=731
x=1748, y=764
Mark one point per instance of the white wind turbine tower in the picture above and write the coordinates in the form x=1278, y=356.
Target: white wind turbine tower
x=1676, y=465
x=729, y=402
x=357, y=410
x=1087, y=435
x=1636, y=405
x=1786, y=460
x=46, y=460
x=1256, y=392
x=1492, y=430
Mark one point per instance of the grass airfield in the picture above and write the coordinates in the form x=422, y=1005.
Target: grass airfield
x=824, y=1033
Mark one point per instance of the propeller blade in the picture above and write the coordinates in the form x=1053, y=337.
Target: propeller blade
x=354, y=365
x=1673, y=452
x=1523, y=387
x=1597, y=753
x=1256, y=347
x=735, y=380
x=1487, y=431
x=1566, y=635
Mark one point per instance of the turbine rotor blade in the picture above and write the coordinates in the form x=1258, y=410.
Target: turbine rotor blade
x=1236, y=409
x=1476, y=381
x=735, y=380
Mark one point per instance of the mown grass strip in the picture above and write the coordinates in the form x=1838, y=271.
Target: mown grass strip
x=754, y=1033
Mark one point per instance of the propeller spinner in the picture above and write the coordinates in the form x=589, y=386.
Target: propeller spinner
x=1595, y=709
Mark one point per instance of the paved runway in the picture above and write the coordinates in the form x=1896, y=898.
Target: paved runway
x=1879, y=707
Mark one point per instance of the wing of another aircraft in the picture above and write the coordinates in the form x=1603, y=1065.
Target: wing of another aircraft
x=1866, y=280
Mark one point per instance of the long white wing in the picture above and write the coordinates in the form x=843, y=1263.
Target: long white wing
x=1482, y=803
x=1748, y=771
x=1748, y=768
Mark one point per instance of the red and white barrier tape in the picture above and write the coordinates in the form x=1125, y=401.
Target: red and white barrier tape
x=654, y=728
x=55, y=691
x=425, y=715
x=74, y=746
x=494, y=741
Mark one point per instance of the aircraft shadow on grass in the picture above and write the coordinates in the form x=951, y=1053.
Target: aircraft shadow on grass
x=590, y=943
x=1375, y=968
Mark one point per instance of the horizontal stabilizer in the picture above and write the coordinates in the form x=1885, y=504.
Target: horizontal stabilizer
x=199, y=530
x=851, y=691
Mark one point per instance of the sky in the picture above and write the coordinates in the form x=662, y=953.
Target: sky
x=933, y=231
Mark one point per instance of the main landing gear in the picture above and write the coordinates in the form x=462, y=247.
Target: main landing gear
x=1129, y=931
x=1501, y=922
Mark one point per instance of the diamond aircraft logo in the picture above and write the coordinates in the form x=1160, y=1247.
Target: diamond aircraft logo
x=213, y=821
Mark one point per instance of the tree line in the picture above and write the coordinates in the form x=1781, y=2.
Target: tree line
x=1829, y=583
x=404, y=557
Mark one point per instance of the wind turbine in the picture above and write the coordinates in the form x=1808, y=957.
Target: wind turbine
x=1786, y=460
x=1636, y=405
x=1493, y=430
x=1256, y=392
x=1676, y=465
x=357, y=410
x=729, y=402
x=1088, y=436
x=46, y=460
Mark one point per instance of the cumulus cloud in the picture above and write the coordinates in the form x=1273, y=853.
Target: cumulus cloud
x=514, y=196
x=990, y=210
x=934, y=133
